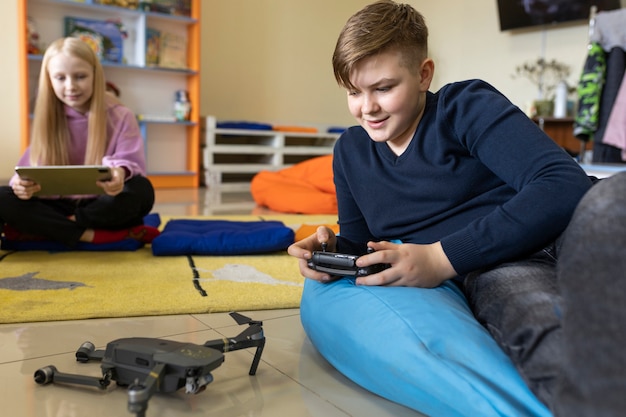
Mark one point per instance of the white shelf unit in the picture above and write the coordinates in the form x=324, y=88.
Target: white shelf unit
x=172, y=147
x=231, y=157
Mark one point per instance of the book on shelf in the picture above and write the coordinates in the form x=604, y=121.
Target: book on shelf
x=153, y=46
x=156, y=118
x=104, y=37
x=173, y=52
x=173, y=7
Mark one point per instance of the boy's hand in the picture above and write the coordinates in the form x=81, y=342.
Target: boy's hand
x=303, y=250
x=412, y=265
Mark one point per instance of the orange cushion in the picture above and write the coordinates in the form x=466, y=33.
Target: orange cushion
x=306, y=188
x=294, y=129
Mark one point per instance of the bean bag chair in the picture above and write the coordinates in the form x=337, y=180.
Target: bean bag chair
x=304, y=188
x=419, y=347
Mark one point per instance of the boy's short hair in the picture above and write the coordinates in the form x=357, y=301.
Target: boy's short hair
x=378, y=27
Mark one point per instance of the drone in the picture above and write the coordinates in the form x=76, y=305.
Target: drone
x=150, y=365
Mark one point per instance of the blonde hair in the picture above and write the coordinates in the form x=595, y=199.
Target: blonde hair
x=379, y=27
x=50, y=133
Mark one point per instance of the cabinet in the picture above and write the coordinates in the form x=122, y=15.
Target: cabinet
x=231, y=157
x=172, y=148
x=561, y=130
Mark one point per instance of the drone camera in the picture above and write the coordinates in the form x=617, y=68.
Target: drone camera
x=195, y=385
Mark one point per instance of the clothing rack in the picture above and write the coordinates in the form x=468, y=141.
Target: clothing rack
x=606, y=29
x=593, y=11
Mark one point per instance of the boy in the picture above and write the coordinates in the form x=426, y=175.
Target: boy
x=475, y=192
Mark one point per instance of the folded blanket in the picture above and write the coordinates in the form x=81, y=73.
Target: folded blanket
x=243, y=125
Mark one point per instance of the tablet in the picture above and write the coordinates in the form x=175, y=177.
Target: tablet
x=66, y=179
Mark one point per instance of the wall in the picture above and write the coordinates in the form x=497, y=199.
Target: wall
x=466, y=42
x=9, y=92
x=269, y=60
x=288, y=45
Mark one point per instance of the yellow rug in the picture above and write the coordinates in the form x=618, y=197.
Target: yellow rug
x=43, y=286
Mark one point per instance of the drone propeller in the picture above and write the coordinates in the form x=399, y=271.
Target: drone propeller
x=254, y=326
x=87, y=351
x=252, y=332
x=241, y=319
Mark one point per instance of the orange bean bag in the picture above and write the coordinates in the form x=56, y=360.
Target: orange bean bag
x=305, y=188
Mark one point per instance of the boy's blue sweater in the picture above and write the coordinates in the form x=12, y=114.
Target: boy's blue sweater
x=478, y=175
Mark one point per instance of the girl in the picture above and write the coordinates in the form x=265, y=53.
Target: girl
x=77, y=123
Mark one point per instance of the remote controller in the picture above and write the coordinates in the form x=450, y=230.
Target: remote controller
x=342, y=264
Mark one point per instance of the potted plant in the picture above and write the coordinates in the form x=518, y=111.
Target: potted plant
x=547, y=76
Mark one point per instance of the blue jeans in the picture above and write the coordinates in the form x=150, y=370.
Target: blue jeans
x=562, y=320
x=520, y=305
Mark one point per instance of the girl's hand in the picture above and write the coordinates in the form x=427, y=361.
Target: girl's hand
x=24, y=189
x=115, y=185
x=412, y=265
x=303, y=250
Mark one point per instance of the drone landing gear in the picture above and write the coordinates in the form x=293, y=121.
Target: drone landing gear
x=150, y=365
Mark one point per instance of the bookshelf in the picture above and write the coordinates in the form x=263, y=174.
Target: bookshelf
x=231, y=157
x=172, y=146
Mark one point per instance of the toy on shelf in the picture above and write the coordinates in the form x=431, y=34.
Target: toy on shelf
x=173, y=7
x=104, y=36
x=127, y=4
x=32, y=37
x=153, y=46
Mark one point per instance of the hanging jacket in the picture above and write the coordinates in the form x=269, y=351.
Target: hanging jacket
x=589, y=93
x=615, y=133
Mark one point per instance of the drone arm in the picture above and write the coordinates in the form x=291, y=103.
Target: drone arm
x=50, y=374
x=140, y=393
x=251, y=337
x=224, y=345
x=229, y=345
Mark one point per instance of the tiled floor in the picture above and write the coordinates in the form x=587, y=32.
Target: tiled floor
x=292, y=380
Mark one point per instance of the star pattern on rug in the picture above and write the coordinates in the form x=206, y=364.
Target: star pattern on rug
x=245, y=273
x=28, y=282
